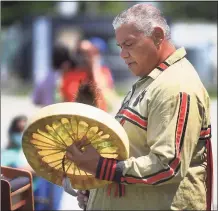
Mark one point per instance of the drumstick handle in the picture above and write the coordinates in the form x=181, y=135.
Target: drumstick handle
x=86, y=194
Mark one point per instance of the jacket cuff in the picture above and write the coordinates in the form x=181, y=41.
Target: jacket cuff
x=109, y=169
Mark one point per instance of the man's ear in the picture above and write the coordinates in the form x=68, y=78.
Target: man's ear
x=157, y=36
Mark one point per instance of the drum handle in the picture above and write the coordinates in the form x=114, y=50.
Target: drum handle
x=66, y=181
x=67, y=184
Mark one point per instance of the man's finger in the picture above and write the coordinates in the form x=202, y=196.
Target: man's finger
x=77, y=144
x=74, y=149
x=90, y=148
x=83, y=141
x=71, y=147
x=69, y=156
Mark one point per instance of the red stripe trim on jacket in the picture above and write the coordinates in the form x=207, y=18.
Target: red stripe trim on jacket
x=180, y=129
x=113, y=170
x=132, y=116
x=108, y=170
x=122, y=121
x=209, y=174
x=181, y=120
x=205, y=132
x=163, y=66
x=166, y=174
x=135, y=112
x=103, y=169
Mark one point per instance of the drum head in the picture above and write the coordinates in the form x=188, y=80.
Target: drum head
x=59, y=125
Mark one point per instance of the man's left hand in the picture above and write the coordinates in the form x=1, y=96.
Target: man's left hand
x=86, y=160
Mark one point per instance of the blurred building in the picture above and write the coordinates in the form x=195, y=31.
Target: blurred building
x=31, y=53
x=27, y=45
x=200, y=42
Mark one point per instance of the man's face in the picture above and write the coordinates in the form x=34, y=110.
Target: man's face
x=138, y=51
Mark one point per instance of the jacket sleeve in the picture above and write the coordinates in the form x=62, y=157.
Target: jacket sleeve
x=173, y=130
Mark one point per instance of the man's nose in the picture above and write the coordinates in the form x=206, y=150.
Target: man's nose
x=124, y=53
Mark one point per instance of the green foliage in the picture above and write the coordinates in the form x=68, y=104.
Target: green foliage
x=12, y=11
x=190, y=10
x=112, y=8
x=212, y=92
x=16, y=10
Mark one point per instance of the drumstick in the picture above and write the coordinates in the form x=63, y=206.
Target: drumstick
x=86, y=194
x=67, y=184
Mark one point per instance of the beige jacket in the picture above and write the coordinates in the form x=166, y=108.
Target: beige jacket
x=167, y=119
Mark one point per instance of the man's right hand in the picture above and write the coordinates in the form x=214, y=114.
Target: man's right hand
x=82, y=198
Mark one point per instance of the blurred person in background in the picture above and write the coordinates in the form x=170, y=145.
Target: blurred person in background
x=47, y=92
x=13, y=155
x=92, y=49
x=63, y=63
x=70, y=70
x=47, y=196
x=81, y=69
x=51, y=90
x=166, y=116
x=44, y=93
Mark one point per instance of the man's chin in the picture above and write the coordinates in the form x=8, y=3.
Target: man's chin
x=135, y=72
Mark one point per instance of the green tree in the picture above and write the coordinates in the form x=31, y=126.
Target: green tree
x=12, y=11
x=16, y=10
x=190, y=10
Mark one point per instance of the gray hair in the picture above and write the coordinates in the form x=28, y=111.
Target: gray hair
x=145, y=17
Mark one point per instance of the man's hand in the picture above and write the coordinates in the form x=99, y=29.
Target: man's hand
x=86, y=160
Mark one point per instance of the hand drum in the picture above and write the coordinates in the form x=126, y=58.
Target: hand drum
x=57, y=126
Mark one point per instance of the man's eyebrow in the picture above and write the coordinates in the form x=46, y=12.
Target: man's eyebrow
x=123, y=42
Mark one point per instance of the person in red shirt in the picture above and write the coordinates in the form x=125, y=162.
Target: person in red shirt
x=91, y=51
x=84, y=79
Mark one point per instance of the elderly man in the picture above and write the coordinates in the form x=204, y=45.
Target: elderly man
x=166, y=117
